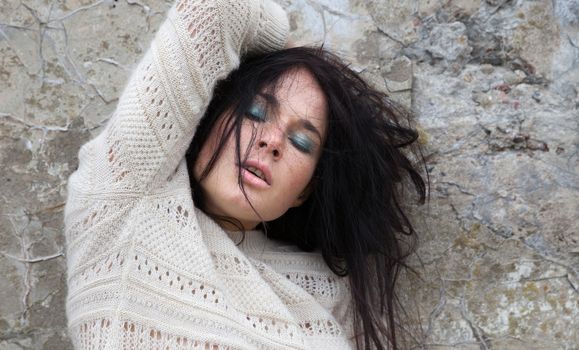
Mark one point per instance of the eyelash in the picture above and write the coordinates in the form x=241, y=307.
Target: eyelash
x=300, y=141
x=256, y=113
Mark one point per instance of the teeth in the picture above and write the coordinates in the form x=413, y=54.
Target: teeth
x=256, y=172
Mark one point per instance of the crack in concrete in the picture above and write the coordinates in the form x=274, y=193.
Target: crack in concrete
x=458, y=146
x=13, y=26
x=571, y=279
x=112, y=62
x=32, y=126
x=322, y=7
x=572, y=42
x=398, y=41
x=35, y=259
x=146, y=8
x=44, y=25
x=101, y=95
x=570, y=270
x=438, y=309
x=501, y=4
x=457, y=186
x=78, y=10
x=321, y=12
x=25, y=246
x=477, y=332
x=41, y=32
x=7, y=38
x=80, y=78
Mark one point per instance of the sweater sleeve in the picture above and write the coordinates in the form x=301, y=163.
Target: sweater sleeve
x=199, y=43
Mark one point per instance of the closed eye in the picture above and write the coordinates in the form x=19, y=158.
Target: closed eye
x=256, y=113
x=302, y=142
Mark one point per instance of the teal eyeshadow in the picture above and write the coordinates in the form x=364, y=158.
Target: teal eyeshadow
x=303, y=142
x=257, y=111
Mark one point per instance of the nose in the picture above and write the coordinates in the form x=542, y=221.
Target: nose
x=270, y=140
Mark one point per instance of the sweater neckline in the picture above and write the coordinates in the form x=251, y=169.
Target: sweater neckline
x=252, y=240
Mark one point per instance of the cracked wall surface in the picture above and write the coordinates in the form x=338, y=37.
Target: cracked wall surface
x=493, y=84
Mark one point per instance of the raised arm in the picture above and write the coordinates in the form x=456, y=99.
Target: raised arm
x=118, y=212
x=199, y=43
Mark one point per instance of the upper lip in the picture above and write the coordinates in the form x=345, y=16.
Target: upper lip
x=261, y=166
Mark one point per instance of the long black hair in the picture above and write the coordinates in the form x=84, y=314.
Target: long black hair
x=354, y=213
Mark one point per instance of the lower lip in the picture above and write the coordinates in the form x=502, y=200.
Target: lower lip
x=253, y=180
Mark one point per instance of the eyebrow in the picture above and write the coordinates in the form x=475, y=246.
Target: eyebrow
x=269, y=99
x=309, y=126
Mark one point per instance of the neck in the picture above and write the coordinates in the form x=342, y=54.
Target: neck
x=232, y=224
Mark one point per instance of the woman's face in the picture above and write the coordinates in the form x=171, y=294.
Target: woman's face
x=280, y=164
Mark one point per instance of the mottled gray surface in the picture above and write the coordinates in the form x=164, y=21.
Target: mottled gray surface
x=494, y=85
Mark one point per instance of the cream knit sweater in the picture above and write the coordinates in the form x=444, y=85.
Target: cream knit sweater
x=146, y=270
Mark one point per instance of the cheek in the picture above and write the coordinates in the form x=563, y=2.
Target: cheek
x=247, y=133
x=300, y=171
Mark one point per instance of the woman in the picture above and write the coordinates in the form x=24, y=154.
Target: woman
x=241, y=237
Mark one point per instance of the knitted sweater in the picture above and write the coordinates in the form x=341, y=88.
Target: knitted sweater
x=146, y=269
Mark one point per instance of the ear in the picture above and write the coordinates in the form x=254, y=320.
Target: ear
x=303, y=196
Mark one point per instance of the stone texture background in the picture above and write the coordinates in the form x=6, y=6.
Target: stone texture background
x=494, y=85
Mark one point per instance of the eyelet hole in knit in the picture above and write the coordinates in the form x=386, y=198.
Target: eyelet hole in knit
x=115, y=163
x=201, y=20
x=94, y=335
x=103, y=268
x=176, y=212
x=230, y=265
x=316, y=285
x=271, y=326
x=163, y=278
x=94, y=216
x=321, y=327
x=156, y=97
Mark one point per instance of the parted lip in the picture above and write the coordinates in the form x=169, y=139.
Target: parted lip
x=261, y=166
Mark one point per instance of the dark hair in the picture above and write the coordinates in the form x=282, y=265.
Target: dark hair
x=354, y=214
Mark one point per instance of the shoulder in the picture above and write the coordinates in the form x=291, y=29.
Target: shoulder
x=308, y=270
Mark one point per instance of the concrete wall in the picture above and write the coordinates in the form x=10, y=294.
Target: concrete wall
x=493, y=84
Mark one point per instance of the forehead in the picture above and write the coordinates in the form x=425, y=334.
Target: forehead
x=299, y=95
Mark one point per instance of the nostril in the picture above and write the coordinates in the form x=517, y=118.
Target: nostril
x=275, y=153
x=262, y=144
